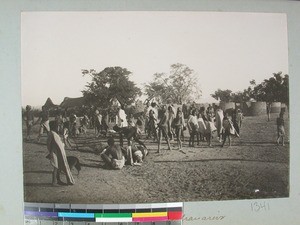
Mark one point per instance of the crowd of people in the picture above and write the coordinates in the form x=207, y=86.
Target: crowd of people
x=156, y=122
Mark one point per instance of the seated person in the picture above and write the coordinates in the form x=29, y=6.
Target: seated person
x=114, y=155
x=139, y=153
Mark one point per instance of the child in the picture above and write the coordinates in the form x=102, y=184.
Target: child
x=228, y=129
x=280, y=129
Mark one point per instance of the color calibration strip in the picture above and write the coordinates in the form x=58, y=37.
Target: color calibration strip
x=140, y=213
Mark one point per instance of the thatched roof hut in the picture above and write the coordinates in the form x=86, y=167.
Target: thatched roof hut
x=49, y=104
x=73, y=102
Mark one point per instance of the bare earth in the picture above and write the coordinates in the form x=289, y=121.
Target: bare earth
x=254, y=167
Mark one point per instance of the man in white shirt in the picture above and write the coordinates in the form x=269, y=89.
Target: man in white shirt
x=122, y=121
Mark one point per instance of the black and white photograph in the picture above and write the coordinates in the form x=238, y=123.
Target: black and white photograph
x=124, y=107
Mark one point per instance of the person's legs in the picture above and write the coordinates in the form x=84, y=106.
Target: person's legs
x=166, y=137
x=106, y=159
x=179, y=138
x=121, y=139
x=130, y=158
x=209, y=137
x=224, y=138
x=41, y=131
x=229, y=139
x=182, y=134
x=29, y=126
x=159, y=139
x=56, y=177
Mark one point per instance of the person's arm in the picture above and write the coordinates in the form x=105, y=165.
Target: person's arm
x=124, y=151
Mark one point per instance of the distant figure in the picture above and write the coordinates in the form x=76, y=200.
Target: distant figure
x=97, y=123
x=84, y=123
x=162, y=129
x=183, y=121
x=228, y=129
x=73, y=125
x=235, y=122
x=130, y=120
x=60, y=123
x=29, y=118
x=122, y=120
x=171, y=117
x=114, y=155
x=219, y=122
x=57, y=156
x=239, y=119
x=44, y=122
x=192, y=124
x=280, y=129
x=152, y=123
x=269, y=111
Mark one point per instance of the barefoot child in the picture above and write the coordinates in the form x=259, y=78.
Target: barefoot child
x=228, y=129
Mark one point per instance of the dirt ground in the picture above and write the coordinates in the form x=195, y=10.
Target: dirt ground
x=253, y=167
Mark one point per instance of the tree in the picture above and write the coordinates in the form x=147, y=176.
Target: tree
x=112, y=82
x=222, y=95
x=178, y=87
x=274, y=89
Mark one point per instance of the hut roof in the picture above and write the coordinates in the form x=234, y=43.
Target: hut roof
x=49, y=104
x=73, y=102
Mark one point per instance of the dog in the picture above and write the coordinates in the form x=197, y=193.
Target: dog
x=72, y=161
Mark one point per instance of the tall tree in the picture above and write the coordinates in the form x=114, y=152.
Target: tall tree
x=274, y=89
x=178, y=87
x=222, y=95
x=112, y=82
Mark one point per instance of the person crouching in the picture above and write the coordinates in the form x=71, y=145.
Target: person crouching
x=114, y=155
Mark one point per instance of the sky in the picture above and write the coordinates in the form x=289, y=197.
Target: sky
x=226, y=50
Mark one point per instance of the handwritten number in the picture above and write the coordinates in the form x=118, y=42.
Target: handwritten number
x=262, y=206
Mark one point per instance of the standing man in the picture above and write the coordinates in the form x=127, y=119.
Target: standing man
x=192, y=124
x=122, y=121
x=29, y=118
x=44, y=122
x=268, y=111
x=163, y=129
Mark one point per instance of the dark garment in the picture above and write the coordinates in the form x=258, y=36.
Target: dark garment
x=44, y=116
x=163, y=122
x=280, y=121
x=29, y=116
x=130, y=133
